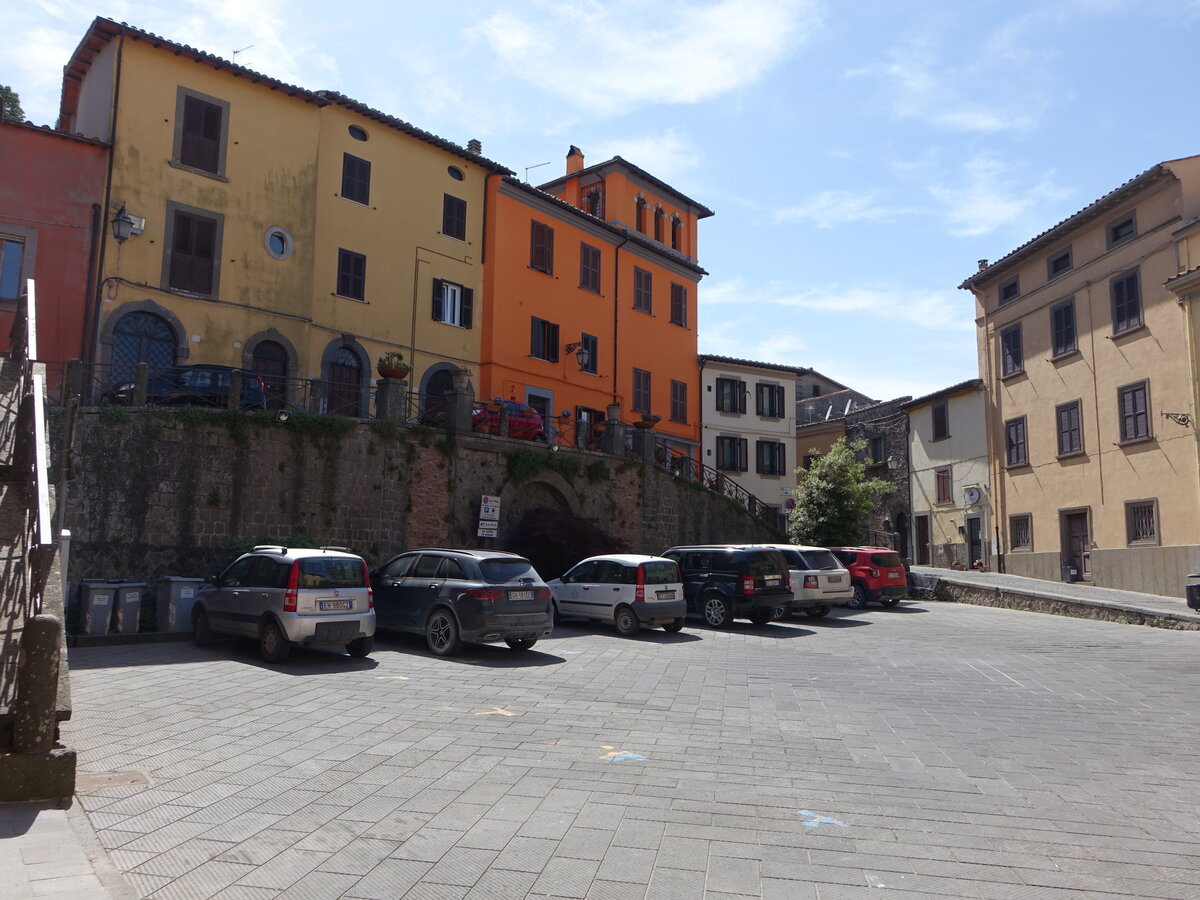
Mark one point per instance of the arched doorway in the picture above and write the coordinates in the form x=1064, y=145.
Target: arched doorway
x=433, y=401
x=270, y=363
x=141, y=337
x=344, y=378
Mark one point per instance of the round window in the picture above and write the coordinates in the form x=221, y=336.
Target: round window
x=279, y=243
x=455, y=173
x=358, y=133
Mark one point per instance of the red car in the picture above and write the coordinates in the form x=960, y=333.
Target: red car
x=524, y=422
x=876, y=573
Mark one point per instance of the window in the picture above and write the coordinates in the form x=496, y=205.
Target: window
x=941, y=421
x=543, y=339
x=1062, y=328
x=201, y=124
x=352, y=275
x=541, y=247
x=591, y=344
x=942, y=486
x=641, y=391
x=676, y=228
x=357, y=132
x=1016, y=452
x=356, y=179
x=193, y=243
x=454, y=217
x=455, y=172
x=589, y=268
x=1020, y=532
x=769, y=400
x=639, y=214
x=643, y=289
x=1141, y=522
x=1121, y=230
x=678, y=401
x=678, y=305
x=11, y=253
x=1133, y=406
x=659, y=217
x=1010, y=290
x=1058, y=264
x=593, y=203
x=878, y=449
x=770, y=457
x=1126, y=302
x=279, y=242
x=731, y=395
x=1011, y=360
x=141, y=337
x=731, y=454
x=807, y=461
x=453, y=304
x=1070, y=434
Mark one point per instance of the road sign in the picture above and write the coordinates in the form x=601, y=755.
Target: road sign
x=489, y=509
x=487, y=529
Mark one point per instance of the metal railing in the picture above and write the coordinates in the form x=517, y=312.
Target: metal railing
x=682, y=465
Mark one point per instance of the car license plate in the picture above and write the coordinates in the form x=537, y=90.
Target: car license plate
x=835, y=579
x=665, y=595
x=520, y=595
x=772, y=580
x=893, y=574
x=330, y=605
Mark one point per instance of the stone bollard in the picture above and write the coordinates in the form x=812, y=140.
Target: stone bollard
x=37, y=685
x=391, y=399
x=141, y=382
x=643, y=444
x=458, y=410
x=234, y=399
x=504, y=417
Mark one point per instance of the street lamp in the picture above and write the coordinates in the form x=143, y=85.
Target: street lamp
x=122, y=225
x=582, y=356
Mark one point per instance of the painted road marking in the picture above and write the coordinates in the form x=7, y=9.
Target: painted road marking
x=496, y=711
x=615, y=755
x=815, y=821
x=391, y=677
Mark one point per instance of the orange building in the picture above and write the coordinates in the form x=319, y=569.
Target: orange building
x=590, y=284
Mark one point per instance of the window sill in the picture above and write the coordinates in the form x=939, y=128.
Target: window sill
x=543, y=271
x=1068, y=355
x=176, y=164
x=1074, y=454
x=1012, y=376
x=348, y=297
x=1129, y=442
x=1013, y=467
x=1136, y=329
x=1133, y=545
x=944, y=437
x=645, y=312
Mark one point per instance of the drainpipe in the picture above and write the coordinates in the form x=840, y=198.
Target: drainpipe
x=93, y=260
x=94, y=337
x=616, y=309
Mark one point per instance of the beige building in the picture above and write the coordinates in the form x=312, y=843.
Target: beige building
x=952, y=519
x=749, y=424
x=1087, y=341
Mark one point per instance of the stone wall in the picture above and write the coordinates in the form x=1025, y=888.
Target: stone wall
x=180, y=492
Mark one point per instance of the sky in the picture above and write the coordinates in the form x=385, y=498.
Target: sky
x=860, y=155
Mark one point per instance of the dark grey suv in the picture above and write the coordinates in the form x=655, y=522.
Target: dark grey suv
x=726, y=582
x=451, y=596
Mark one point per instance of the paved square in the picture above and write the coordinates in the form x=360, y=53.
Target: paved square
x=932, y=750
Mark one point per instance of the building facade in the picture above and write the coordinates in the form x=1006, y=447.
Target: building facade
x=1087, y=345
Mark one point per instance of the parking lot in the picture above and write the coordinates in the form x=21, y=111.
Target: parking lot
x=927, y=750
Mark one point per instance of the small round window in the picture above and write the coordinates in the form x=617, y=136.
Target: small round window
x=357, y=132
x=455, y=173
x=279, y=243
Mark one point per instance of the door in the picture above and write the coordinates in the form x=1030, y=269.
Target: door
x=389, y=587
x=922, y=525
x=1078, y=543
x=974, y=540
x=225, y=603
x=420, y=589
x=568, y=594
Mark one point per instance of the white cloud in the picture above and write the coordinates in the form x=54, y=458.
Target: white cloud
x=987, y=196
x=609, y=57
x=665, y=154
x=829, y=209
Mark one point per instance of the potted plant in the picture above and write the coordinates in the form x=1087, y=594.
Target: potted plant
x=614, y=411
x=393, y=365
x=648, y=420
x=460, y=378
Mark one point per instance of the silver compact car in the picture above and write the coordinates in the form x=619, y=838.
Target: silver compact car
x=283, y=596
x=819, y=580
x=627, y=589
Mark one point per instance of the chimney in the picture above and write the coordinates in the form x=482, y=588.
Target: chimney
x=574, y=160
x=473, y=146
x=983, y=264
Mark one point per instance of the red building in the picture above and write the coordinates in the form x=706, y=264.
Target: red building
x=51, y=211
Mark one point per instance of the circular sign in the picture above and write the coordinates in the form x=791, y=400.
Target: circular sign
x=971, y=495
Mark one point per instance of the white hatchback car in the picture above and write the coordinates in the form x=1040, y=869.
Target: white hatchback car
x=627, y=589
x=818, y=578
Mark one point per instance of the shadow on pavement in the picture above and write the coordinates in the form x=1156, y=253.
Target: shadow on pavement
x=573, y=628
x=495, y=656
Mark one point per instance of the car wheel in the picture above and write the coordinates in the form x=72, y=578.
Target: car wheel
x=817, y=612
x=859, y=600
x=360, y=647
x=201, y=630
x=557, y=615
x=891, y=601
x=441, y=632
x=761, y=615
x=672, y=627
x=716, y=611
x=520, y=643
x=272, y=645
x=626, y=621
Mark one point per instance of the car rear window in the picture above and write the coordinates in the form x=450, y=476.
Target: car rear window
x=886, y=560
x=766, y=562
x=848, y=557
x=819, y=559
x=203, y=378
x=660, y=573
x=794, y=559
x=337, y=572
x=502, y=571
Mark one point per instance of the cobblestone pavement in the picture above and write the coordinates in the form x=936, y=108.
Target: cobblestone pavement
x=929, y=750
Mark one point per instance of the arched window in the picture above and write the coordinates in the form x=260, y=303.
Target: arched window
x=345, y=383
x=593, y=203
x=639, y=221
x=676, y=232
x=141, y=337
x=270, y=362
x=659, y=216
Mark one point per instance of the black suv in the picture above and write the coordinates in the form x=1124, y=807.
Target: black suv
x=199, y=385
x=725, y=582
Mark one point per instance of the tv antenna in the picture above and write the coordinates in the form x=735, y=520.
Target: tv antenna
x=243, y=50
x=538, y=166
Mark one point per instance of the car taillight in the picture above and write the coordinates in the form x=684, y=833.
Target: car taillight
x=748, y=584
x=874, y=573
x=544, y=594
x=487, y=594
x=366, y=581
x=810, y=581
x=639, y=592
x=291, y=595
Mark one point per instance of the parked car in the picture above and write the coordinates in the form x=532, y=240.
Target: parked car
x=726, y=582
x=876, y=574
x=451, y=596
x=199, y=385
x=819, y=580
x=524, y=422
x=629, y=590
x=283, y=596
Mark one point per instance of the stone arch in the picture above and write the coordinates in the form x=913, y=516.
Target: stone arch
x=336, y=396
x=286, y=395
x=544, y=490
x=434, y=386
x=182, y=347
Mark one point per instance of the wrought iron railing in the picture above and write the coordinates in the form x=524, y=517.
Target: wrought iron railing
x=682, y=465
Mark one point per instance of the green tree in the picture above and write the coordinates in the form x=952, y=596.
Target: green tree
x=834, y=498
x=10, y=104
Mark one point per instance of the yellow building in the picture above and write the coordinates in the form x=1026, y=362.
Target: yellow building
x=1087, y=345
x=292, y=233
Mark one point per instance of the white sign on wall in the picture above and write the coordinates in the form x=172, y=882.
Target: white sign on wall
x=489, y=509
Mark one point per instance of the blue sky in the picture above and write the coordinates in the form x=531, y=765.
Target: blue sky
x=860, y=155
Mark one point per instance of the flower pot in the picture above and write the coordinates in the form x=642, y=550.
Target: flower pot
x=397, y=372
x=644, y=426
